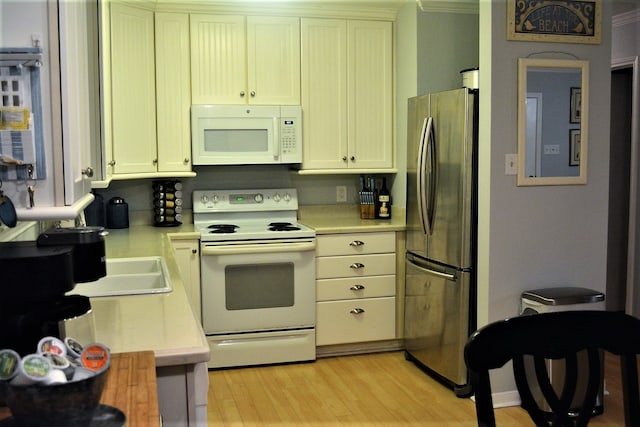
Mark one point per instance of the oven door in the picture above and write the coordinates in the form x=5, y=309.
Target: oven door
x=258, y=287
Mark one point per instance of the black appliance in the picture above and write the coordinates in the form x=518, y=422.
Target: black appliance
x=35, y=277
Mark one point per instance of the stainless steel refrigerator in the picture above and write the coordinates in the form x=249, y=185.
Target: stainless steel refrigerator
x=440, y=285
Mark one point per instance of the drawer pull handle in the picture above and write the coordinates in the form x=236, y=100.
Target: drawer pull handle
x=357, y=310
x=357, y=287
x=356, y=243
x=356, y=265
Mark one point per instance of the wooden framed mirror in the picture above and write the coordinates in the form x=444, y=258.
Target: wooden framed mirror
x=553, y=117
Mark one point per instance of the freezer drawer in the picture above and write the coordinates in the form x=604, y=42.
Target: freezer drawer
x=437, y=319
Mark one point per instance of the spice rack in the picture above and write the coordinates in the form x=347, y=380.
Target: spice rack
x=167, y=203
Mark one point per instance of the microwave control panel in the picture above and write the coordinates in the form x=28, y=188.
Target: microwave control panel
x=290, y=134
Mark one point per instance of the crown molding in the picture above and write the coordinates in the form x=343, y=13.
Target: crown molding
x=449, y=6
x=626, y=18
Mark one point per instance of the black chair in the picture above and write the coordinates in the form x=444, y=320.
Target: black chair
x=556, y=335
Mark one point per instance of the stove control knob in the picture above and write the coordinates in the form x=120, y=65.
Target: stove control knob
x=258, y=198
x=204, y=199
x=276, y=197
x=287, y=197
x=216, y=199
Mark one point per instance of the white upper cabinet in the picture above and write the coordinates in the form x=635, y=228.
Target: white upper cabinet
x=347, y=95
x=173, y=97
x=370, y=103
x=133, y=86
x=147, y=102
x=273, y=56
x=324, y=93
x=80, y=123
x=238, y=60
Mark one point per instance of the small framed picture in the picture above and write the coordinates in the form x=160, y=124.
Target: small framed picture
x=575, y=105
x=574, y=147
x=560, y=21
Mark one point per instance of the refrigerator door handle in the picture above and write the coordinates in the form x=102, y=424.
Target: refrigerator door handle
x=432, y=176
x=442, y=275
x=421, y=175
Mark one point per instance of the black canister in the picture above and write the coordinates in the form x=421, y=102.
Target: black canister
x=117, y=213
x=94, y=213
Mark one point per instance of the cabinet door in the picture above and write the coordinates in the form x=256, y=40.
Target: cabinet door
x=188, y=259
x=133, y=89
x=218, y=65
x=324, y=93
x=173, y=97
x=80, y=122
x=273, y=60
x=370, y=83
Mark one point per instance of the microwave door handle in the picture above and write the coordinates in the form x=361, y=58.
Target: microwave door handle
x=276, y=138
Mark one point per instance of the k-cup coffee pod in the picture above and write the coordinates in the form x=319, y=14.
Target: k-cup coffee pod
x=9, y=362
x=52, y=345
x=74, y=348
x=95, y=357
x=33, y=368
x=60, y=363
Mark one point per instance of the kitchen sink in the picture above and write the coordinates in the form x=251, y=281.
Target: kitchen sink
x=129, y=276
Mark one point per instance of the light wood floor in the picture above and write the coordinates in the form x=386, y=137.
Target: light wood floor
x=380, y=389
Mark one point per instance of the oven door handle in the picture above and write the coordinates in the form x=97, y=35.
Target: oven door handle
x=258, y=249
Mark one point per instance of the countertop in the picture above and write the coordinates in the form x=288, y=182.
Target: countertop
x=162, y=323
x=331, y=219
x=131, y=387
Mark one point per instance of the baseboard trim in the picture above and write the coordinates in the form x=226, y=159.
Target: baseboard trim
x=506, y=399
x=359, y=348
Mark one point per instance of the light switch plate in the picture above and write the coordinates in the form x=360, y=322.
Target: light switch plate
x=511, y=164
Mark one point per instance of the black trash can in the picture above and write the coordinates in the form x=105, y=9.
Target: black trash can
x=549, y=300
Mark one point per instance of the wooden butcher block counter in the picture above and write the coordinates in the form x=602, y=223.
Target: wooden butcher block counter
x=131, y=387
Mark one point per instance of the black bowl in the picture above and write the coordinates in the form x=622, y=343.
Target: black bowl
x=70, y=404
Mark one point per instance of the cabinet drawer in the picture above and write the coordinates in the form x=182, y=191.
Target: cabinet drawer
x=355, y=266
x=355, y=288
x=349, y=321
x=356, y=243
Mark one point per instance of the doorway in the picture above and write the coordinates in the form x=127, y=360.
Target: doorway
x=623, y=166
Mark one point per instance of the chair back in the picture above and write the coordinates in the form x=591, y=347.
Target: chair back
x=556, y=335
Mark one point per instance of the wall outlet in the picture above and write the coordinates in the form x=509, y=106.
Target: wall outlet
x=341, y=193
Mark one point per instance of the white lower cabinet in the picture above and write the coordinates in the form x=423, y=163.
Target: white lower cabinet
x=187, y=255
x=355, y=288
x=182, y=394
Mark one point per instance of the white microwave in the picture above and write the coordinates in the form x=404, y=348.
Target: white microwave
x=246, y=134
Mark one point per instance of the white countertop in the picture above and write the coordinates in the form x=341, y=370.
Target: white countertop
x=330, y=219
x=163, y=323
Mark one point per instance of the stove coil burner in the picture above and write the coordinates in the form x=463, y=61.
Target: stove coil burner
x=282, y=226
x=222, y=228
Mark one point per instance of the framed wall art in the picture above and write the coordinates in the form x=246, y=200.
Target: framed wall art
x=562, y=21
x=575, y=103
x=574, y=147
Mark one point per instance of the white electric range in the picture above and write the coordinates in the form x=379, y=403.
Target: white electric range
x=257, y=276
